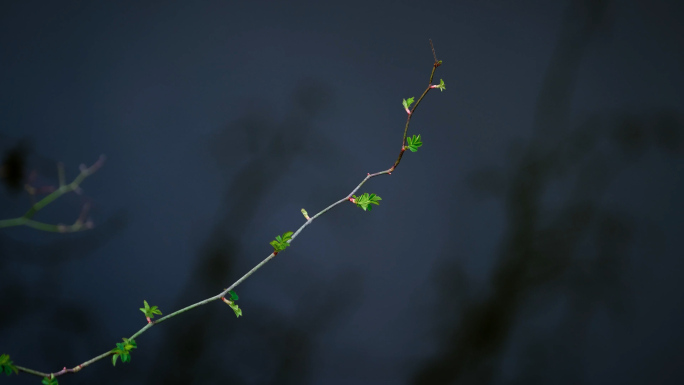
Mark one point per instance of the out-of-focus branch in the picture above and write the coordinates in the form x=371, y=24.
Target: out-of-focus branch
x=80, y=224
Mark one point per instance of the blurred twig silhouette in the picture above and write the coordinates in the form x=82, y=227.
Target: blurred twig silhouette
x=13, y=167
x=574, y=253
x=39, y=295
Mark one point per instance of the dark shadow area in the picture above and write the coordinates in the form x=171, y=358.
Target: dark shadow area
x=12, y=170
x=562, y=261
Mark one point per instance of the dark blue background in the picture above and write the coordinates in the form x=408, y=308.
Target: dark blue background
x=535, y=238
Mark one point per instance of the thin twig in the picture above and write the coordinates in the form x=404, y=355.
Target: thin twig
x=262, y=263
x=433, y=51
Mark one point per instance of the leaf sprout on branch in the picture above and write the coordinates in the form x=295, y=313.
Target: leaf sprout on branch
x=123, y=350
x=280, y=243
x=150, y=311
x=413, y=143
x=231, y=302
x=365, y=201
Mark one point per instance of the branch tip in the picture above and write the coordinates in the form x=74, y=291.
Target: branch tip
x=434, y=55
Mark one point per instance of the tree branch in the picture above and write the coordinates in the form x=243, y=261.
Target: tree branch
x=25, y=220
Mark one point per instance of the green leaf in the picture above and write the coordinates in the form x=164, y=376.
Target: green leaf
x=130, y=344
x=413, y=143
x=407, y=103
x=49, y=381
x=441, y=85
x=280, y=243
x=236, y=309
x=122, y=349
x=364, y=201
x=7, y=366
x=233, y=295
x=150, y=311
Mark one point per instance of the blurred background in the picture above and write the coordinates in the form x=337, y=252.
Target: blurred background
x=535, y=238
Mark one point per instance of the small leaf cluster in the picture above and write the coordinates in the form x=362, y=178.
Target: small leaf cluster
x=150, y=311
x=231, y=302
x=407, y=103
x=280, y=243
x=123, y=349
x=7, y=366
x=441, y=85
x=49, y=381
x=364, y=201
x=413, y=143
